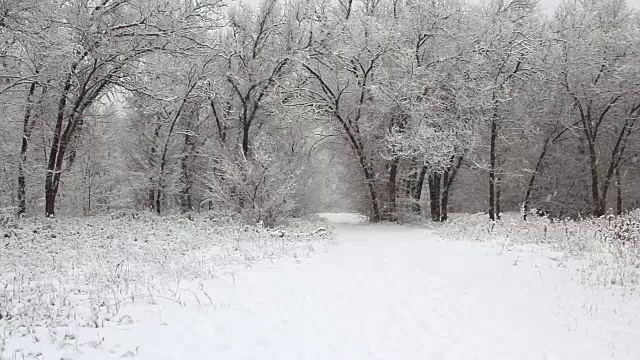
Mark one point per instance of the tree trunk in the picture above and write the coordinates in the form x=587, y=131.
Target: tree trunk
x=417, y=192
x=498, y=195
x=613, y=172
x=549, y=140
x=26, y=134
x=158, y=195
x=409, y=184
x=527, y=197
x=245, y=139
x=492, y=170
x=22, y=183
x=597, y=203
x=163, y=159
x=88, y=186
x=152, y=164
x=187, y=166
x=444, y=199
x=618, y=192
x=369, y=173
x=53, y=165
x=89, y=197
x=447, y=179
x=392, y=207
x=434, y=195
x=62, y=140
x=370, y=178
x=187, y=175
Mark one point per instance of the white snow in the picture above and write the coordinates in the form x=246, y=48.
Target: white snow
x=344, y=218
x=385, y=292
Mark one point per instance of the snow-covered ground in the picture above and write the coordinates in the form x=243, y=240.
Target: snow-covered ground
x=385, y=292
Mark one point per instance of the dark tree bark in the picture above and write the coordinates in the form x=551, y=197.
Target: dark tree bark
x=395, y=8
x=220, y=121
x=498, y=196
x=154, y=190
x=88, y=91
x=493, y=141
x=551, y=139
x=417, y=191
x=251, y=101
x=444, y=199
x=617, y=154
x=591, y=122
x=598, y=205
x=618, y=192
x=448, y=178
x=392, y=208
x=369, y=175
x=398, y=124
x=347, y=5
x=165, y=150
x=88, y=211
x=158, y=197
x=86, y=79
x=28, y=125
x=527, y=197
x=188, y=151
x=492, y=169
x=53, y=166
x=435, y=181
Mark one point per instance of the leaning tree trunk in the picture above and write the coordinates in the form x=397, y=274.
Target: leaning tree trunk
x=448, y=177
x=163, y=159
x=613, y=171
x=52, y=178
x=62, y=139
x=369, y=173
x=532, y=179
x=370, y=178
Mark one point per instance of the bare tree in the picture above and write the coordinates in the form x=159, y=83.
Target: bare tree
x=340, y=89
x=506, y=42
x=600, y=75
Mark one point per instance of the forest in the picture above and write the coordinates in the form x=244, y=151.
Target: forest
x=393, y=108
x=319, y=179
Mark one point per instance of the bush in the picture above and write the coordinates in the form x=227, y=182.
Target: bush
x=625, y=230
x=608, y=247
x=80, y=271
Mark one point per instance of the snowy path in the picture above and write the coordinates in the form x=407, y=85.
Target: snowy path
x=391, y=293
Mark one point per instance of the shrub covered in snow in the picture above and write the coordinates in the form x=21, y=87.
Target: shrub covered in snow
x=80, y=271
x=609, y=246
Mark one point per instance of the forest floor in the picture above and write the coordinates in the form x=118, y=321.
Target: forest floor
x=384, y=292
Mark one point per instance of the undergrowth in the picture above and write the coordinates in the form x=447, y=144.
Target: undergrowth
x=81, y=271
x=609, y=247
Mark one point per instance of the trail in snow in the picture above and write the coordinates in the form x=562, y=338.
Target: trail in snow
x=390, y=292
